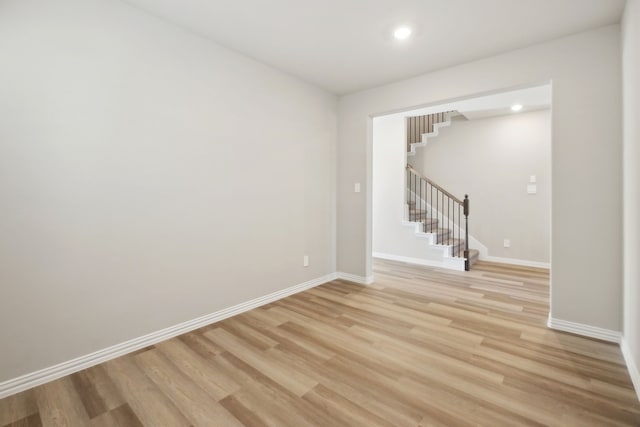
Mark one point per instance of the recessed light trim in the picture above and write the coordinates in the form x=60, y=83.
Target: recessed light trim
x=402, y=33
x=516, y=107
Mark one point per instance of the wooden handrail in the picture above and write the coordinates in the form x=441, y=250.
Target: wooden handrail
x=434, y=184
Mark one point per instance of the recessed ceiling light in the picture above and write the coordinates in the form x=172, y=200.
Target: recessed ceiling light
x=402, y=33
x=516, y=107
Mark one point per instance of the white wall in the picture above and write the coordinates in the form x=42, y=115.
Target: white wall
x=387, y=194
x=585, y=161
x=631, y=144
x=492, y=159
x=147, y=177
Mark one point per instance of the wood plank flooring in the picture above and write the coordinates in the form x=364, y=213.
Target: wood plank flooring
x=420, y=347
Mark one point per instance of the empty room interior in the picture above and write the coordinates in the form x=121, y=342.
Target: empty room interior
x=336, y=213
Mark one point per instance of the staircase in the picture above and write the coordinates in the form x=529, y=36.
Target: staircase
x=438, y=216
x=419, y=128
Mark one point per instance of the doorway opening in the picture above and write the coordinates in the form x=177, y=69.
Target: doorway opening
x=496, y=149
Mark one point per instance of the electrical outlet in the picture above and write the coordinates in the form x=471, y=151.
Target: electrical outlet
x=305, y=261
x=507, y=243
x=356, y=187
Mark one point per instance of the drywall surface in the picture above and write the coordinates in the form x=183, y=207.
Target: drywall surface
x=492, y=160
x=586, y=160
x=147, y=177
x=631, y=144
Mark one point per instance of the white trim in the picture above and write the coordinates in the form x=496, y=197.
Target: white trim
x=515, y=261
x=634, y=373
x=446, y=263
x=51, y=373
x=353, y=278
x=584, y=330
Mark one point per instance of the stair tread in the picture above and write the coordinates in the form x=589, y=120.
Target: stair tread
x=451, y=242
x=473, y=253
x=431, y=221
x=436, y=230
x=422, y=217
x=441, y=229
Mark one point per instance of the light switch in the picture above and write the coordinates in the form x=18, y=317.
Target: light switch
x=356, y=187
x=532, y=179
x=532, y=189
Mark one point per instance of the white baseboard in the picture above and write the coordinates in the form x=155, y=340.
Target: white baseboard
x=420, y=261
x=585, y=330
x=515, y=261
x=45, y=375
x=634, y=373
x=353, y=278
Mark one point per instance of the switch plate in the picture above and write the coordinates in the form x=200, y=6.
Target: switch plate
x=532, y=189
x=305, y=261
x=532, y=179
x=507, y=243
x=356, y=187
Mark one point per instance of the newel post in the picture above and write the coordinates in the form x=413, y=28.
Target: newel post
x=465, y=206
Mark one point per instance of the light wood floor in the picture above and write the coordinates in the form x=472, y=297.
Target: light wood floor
x=421, y=346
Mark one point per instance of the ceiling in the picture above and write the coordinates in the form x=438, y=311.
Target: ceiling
x=490, y=105
x=499, y=104
x=347, y=45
